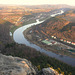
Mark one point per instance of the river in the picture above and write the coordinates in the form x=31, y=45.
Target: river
x=20, y=39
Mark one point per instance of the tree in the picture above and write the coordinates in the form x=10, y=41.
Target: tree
x=38, y=67
x=48, y=65
x=62, y=73
x=70, y=73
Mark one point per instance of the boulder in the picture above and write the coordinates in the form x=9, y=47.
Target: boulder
x=15, y=66
x=49, y=71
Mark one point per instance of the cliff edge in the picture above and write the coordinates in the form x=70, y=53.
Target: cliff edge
x=15, y=66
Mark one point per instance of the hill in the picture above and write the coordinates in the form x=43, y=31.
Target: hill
x=15, y=13
x=58, y=27
x=69, y=15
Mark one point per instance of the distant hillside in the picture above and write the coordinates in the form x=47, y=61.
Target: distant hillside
x=58, y=27
x=15, y=13
x=69, y=15
x=50, y=6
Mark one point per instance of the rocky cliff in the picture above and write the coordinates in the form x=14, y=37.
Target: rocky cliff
x=15, y=66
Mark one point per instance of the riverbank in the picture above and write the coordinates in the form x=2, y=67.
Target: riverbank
x=43, y=60
x=20, y=39
x=23, y=51
x=31, y=36
x=13, y=27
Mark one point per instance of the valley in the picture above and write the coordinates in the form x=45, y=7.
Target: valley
x=49, y=36
x=22, y=36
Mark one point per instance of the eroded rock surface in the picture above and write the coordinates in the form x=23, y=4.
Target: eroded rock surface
x=49, y=71
x=15, y=66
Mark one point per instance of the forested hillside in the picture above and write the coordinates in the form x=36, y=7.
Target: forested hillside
x=4, y=33
x=57, y=26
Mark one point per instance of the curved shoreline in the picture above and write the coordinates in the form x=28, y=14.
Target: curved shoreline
x=26, y=35
x=20, y=39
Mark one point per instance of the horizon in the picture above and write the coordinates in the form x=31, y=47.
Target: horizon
x=35, y=5
x=37, y=2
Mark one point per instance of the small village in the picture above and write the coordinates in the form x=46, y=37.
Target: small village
x=63, y=40
x=54, y=42
x=60, y=44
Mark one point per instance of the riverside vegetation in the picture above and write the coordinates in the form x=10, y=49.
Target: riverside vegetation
x=8, y=47
x=62, y=27
x=40, y=60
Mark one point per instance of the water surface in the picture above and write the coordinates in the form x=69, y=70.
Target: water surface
x=20, y=39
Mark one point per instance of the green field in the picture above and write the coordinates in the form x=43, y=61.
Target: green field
x=46, y=42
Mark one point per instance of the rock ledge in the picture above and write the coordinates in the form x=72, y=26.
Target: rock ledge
x=15, y=66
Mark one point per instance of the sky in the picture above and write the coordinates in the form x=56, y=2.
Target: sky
x=38, y=2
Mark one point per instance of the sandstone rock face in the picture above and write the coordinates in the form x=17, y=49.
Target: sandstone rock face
x=15, y=66
x=49, y=71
